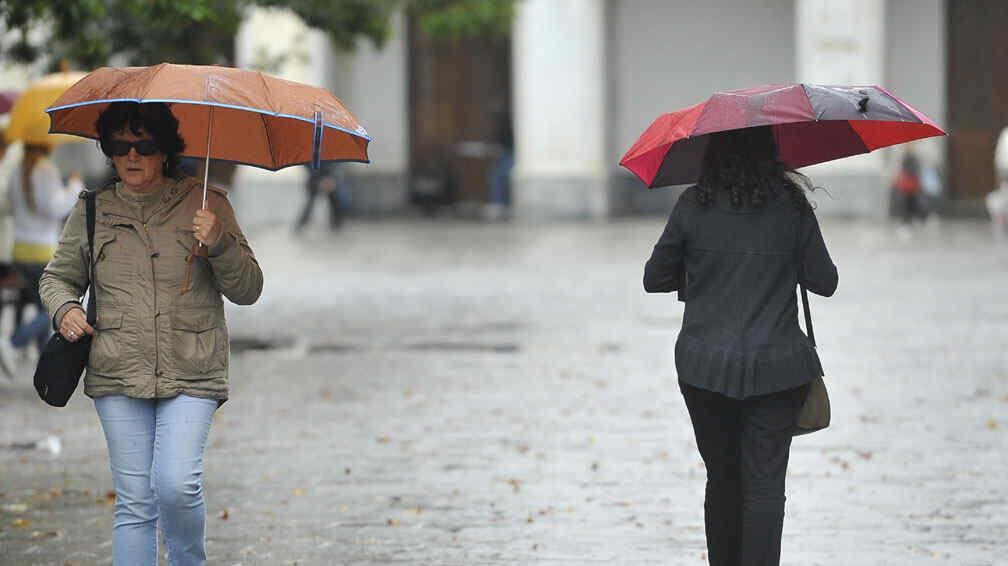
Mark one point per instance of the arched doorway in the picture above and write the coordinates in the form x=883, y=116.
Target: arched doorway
x=977, y=92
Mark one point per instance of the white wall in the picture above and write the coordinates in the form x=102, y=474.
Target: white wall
x=372, y=83
x=665, y=55
x=915, y=63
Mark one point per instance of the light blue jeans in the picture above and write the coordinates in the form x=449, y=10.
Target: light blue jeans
x=156, y=455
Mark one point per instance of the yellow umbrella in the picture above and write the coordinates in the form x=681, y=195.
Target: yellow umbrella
x=29, y=122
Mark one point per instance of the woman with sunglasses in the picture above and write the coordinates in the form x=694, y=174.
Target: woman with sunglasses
x=39, y=201
x=159, y=347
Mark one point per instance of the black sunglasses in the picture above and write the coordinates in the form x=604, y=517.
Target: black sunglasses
x=120, y=148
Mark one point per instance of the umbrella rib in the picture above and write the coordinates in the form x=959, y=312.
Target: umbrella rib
x=153, y=77
x=267, y=92
x=269, y=142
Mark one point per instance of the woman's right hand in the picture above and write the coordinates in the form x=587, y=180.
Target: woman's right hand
x=74, y=325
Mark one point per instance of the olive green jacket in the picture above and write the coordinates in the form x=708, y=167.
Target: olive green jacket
x=151, y=340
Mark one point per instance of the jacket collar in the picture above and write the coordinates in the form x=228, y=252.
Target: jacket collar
x=110, y=204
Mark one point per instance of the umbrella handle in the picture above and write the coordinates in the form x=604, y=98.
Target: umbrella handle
x=206, y=169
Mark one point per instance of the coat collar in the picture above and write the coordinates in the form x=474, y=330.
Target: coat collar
x=110, y=205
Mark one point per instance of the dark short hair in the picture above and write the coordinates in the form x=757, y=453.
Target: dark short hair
x=153, y=117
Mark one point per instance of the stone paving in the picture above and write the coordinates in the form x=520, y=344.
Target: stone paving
x=464, y=394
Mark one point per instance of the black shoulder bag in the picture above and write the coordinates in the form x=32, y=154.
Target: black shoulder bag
x=62, y=362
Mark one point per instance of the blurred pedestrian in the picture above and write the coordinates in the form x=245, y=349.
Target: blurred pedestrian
x=499, y=178
x=932, y=192
x=39, y=201
x=735, y=247
x=159, y=348
x=328, y=181
x=8, y=280
x=997, y=207
x=906, y=188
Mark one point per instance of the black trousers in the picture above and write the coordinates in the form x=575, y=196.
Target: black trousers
x=745, y=446
x=335, y=207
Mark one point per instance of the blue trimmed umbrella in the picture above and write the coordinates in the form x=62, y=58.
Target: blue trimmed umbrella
x=235, y=115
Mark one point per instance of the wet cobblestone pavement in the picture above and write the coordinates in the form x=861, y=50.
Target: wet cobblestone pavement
x=465, y=394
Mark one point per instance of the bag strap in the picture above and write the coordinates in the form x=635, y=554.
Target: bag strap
x=808, y=315
x=89, y=207
x=804, y=293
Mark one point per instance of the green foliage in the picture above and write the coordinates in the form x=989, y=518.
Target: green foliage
x=450, y=19
x=144, y=32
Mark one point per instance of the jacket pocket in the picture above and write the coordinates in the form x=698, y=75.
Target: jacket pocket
x=113, y=262
x=110, y=349
x=198, y=342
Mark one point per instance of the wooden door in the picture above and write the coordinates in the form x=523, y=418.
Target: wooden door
x=459, y=91
x=977, y=92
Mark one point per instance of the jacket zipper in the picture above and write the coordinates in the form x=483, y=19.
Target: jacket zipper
x=151, y=255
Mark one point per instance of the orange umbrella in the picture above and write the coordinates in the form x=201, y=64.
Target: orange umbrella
x=259, y=120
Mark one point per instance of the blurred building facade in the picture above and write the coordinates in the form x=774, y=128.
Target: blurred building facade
x=581, y=79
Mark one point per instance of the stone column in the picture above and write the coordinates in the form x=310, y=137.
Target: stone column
x=844, y=43
x=558, y=58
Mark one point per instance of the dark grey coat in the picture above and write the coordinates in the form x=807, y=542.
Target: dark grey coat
x=737, y=271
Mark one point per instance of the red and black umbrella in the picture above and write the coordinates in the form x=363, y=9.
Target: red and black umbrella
x=812, y=124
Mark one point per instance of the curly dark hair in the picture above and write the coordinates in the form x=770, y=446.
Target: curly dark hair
x=745, y=164
x=155, y=118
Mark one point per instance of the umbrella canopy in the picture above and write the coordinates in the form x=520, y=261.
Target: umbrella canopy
x=28, y=120
x=811, y=123
x=224, y=113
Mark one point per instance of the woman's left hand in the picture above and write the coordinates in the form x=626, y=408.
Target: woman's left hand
x=206, y=227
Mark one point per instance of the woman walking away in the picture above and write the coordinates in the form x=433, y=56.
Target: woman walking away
x=39, y=202
x=735, y=247
x=159, y=353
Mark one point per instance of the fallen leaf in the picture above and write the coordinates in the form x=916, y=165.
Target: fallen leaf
x=992, y=424
x=383, y=440
x=416, y=510
x=298, y=492
x=622, y=504
x=20, y=523
x=224, y=515
x=392, y=522
x=515, y=484
x=864, y=454
x=529, y=520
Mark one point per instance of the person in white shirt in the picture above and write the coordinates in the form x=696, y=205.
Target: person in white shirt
x=39, y=201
